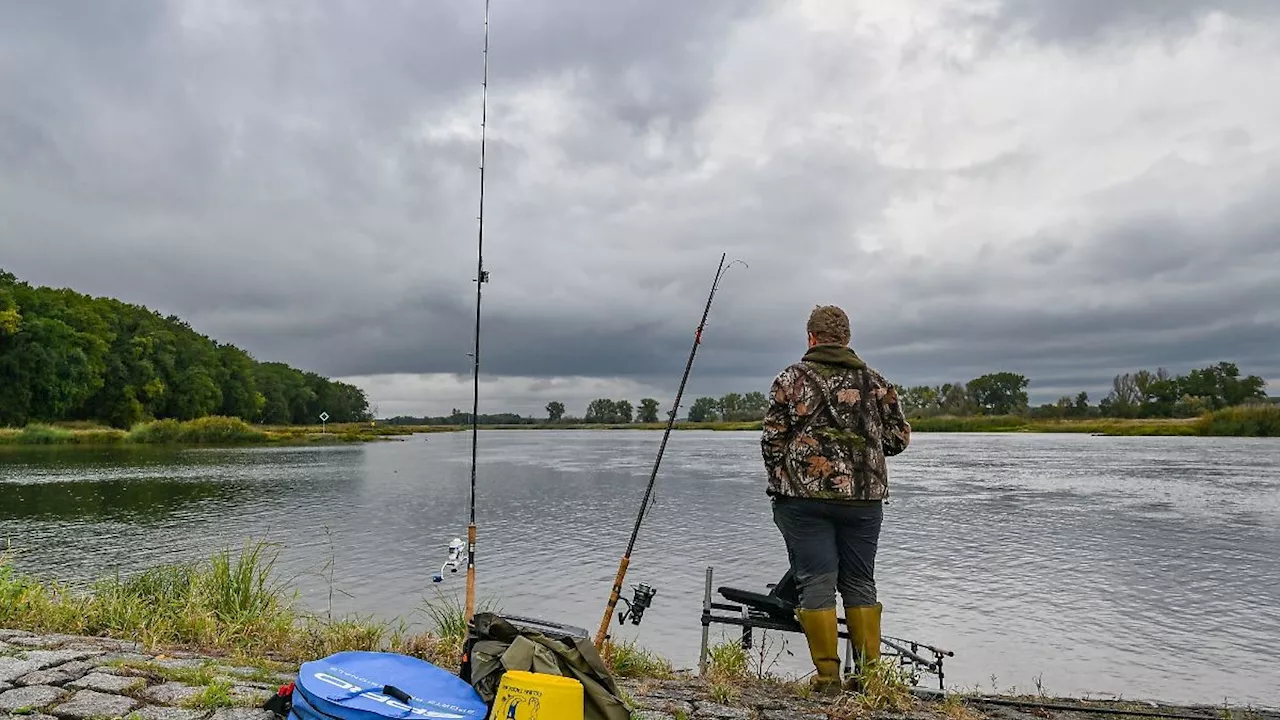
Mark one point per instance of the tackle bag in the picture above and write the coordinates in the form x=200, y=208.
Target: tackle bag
x=379, y=685
x=496, y=644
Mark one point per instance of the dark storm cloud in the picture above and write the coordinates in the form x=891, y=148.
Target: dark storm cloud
x=1143, y=292
x=300, y=178
x=219, y=163
x=1087, y=21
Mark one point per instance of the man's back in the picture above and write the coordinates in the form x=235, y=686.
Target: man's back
x=831, y=422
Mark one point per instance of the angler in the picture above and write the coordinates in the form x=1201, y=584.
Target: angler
x=831, y=423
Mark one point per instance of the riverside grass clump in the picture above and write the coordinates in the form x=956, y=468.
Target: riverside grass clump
x=225, y=603
x=1018, y=424
x=54, y=435
x=212, y=430
x=628, y=660
x=1245, y=421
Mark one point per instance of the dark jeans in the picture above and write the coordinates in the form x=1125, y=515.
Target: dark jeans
x=830, y=545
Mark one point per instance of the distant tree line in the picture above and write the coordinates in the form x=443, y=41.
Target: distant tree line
x=458, y=417
x=1143, y=394
x=730, y=407
x=69, y=356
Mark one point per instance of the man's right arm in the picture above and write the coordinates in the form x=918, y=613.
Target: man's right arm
x=897, y=431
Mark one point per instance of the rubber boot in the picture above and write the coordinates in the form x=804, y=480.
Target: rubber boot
x=821, y=629
x=864, y=628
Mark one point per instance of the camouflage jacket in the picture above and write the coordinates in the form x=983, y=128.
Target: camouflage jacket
x=831, y=423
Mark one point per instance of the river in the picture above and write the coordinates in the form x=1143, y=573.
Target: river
x=1139, y=567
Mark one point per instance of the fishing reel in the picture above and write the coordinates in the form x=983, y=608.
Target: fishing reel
x=455, y=557
x=640, y=600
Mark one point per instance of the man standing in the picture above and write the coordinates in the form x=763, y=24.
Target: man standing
x=831, y=423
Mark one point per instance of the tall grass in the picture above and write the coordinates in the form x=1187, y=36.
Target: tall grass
x=160, y=432
x=229, y=602
x=979, y=423
x=223, y=602
x=883, y=688
x=44, y=435
x=226, y=602
x=629, y=660
x=1016, y=423
x=212, y=430
x=38, y=434
x=1243, y=421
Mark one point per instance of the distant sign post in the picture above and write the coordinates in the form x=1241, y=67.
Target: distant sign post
x=324, y=418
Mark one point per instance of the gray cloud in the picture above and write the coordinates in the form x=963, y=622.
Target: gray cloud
x=300, y=179
x=1089, y=21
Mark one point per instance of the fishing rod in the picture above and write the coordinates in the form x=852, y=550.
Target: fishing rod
x=644, y=593
x=482, y=277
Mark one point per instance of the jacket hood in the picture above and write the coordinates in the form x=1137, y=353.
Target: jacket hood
x=838, y=355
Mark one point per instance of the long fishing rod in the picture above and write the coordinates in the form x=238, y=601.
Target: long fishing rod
x=671, y=421
x=482, y=277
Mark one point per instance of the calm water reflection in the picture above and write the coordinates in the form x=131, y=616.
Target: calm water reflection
x=1148, y=567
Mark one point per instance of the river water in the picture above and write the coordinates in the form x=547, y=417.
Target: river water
x=1139, y=567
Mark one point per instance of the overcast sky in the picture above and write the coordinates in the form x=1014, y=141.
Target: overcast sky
x=1066, y=190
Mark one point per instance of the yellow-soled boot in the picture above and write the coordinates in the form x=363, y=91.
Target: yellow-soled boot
x=864, y=628
x=822, y=630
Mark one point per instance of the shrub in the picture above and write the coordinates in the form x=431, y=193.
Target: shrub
x=1245, y=420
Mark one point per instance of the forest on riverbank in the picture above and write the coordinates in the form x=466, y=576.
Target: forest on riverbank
x=66, y=356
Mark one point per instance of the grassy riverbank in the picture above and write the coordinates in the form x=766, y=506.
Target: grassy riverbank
x=230, y=610
x=228, y=603
x=1249, y=421
x=232, y=604
x=213, y=430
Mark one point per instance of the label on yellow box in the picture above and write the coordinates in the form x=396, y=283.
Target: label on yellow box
x=537, y=696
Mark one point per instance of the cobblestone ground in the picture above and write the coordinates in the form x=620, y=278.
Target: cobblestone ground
x=63, y=677
x=76, y=678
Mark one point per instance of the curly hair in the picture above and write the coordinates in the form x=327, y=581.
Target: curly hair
x=829, y=324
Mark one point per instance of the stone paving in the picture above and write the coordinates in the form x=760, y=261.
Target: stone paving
x=63, y=677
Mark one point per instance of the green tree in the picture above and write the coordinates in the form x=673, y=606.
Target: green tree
x=1125, y=399
x=703, y=410
x=731, y=406
x=1220, y=386
x=622, y=411
x=1002, y=393
x=600, y=410
x=68, y=356
x=648, y=411
x=555, y=411
x=1081, y=406
x=920, y=399
x=10, y=318
x=955, y=399
x=754, y=405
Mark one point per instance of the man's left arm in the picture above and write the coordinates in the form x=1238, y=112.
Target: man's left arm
x=775, y=429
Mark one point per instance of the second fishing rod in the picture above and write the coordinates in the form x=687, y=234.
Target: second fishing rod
x=645, y=593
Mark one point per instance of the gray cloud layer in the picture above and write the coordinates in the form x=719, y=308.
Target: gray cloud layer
x=1069, y=190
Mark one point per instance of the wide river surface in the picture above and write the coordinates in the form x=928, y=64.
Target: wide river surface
x=1139, y=567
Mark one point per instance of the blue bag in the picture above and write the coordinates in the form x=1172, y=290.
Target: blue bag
x=378, y=685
